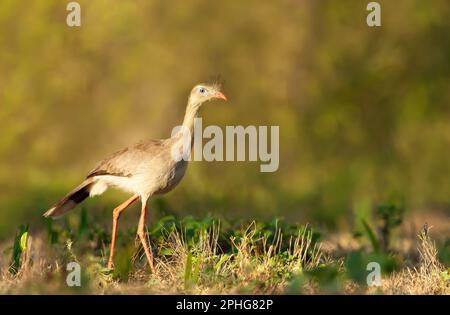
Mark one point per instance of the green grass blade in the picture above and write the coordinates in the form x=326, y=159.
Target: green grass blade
x=371, y=235
x=19, y=247
x=188, y=270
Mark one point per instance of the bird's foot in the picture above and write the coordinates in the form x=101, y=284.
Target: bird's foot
x=110, y=265
x=152, y=267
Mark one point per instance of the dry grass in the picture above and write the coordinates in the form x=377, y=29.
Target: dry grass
x=200, y=267
x=429, y=277
x=253, y=264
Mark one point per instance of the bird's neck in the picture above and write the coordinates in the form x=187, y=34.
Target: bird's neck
x=192, y=111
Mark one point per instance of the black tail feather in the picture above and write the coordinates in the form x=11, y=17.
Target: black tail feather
x=72, y=199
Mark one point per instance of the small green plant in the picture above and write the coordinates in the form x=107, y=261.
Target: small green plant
x=326, y=277
x=192, y=270
x=356, y=264
x=388, y=217
x=446, y=275
x=53, y=235
x=19, y=249
x=83, y=227
x=391, y=216
x=371, y=236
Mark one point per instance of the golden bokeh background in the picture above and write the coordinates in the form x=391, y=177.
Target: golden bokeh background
x=364, y=113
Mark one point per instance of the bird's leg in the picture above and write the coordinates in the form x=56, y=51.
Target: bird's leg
x=116, y=215
x=143, y=238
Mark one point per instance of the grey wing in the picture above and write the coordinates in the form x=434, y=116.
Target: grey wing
x=127, y=162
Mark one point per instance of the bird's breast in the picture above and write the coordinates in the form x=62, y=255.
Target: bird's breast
x=171, y=177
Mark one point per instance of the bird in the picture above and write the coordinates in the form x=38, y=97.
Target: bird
x=143, y=170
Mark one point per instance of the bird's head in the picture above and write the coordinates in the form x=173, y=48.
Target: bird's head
x=206, y=92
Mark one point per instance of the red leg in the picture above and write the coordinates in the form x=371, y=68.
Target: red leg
x=142, y=237
x=116, y=215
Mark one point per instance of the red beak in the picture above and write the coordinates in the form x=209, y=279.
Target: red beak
x=220, y=95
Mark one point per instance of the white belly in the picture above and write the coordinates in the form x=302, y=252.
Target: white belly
x=144, y=184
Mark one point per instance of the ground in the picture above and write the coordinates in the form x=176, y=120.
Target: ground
x=209, y=256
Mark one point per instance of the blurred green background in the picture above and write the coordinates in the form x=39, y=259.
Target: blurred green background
x=364, y=113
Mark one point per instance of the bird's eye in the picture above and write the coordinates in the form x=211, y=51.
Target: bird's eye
x=202, y=90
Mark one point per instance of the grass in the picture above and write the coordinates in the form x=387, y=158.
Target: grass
x=210, y=257
x=429, y=277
